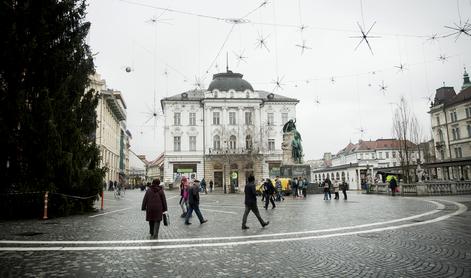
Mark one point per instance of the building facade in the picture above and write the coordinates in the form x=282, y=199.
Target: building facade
x=224, y=133
x=365, y=161
x=451, y=130
x=112, y=137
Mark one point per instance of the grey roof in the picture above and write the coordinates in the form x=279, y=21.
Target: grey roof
x=226, y=81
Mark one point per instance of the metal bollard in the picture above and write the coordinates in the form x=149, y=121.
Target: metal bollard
x=45, y=204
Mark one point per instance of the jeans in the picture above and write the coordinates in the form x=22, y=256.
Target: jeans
x=253, y=208
x=269, y=198
x=344, y=194
x=326, y=195
x=195, y=208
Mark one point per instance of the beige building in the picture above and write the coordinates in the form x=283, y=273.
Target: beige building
x=451, y=130
x=112, y=137
x=225, y=133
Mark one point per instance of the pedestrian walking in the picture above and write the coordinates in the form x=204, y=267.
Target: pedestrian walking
x=300, y=186
x=211, y=184
x=279, y=190
x=392, y=184
x=325, y=185
x=344, y=187
x=262, y=189
x=330, y=188
x=295, y=185
x=155, y=204
x=336, y=189
x=269, y=190
x=251, y=203
x=203, y=185
x=304, y=190
x=184, y=187
x=194, y=203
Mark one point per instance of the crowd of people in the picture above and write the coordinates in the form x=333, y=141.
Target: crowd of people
x=335, y=186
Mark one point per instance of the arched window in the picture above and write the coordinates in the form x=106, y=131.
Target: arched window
x=323, y=177
x=217, y=142
x=440, y=135
x=248, y=142
x=232, y=142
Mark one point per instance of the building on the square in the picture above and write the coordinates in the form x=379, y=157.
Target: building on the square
x=451, y=130
x=112, y=137
x=225, y=133
x=363, y=162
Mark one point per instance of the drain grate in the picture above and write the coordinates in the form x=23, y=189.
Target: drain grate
x=29, y=234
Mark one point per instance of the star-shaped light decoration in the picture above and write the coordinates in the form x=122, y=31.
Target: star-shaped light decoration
x=332, y=80
x=443, y=58
x=165, y=73
x=364, y=36
x=278, y=83
x=240, y=57
x=302, y=27
x=462, y=28
x=401, y=67
x=303, y=46
x=198, y=84
x=262, y=41
x=383, y=88
x=316, y=101
x=433, y=37
x=128, y=69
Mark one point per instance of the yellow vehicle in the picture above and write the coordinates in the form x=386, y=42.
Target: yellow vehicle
x=285, y=187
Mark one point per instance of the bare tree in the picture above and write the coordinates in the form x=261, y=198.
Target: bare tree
x=406, y=130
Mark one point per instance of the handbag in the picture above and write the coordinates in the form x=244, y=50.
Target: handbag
x=166, y=219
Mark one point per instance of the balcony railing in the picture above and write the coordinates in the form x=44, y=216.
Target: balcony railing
x=229, y=151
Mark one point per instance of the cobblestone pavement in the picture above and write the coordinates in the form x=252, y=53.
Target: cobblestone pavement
x=366, y=236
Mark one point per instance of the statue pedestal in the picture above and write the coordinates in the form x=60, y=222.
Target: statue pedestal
x=289, y=167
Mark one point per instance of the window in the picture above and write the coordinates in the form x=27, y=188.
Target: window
x=455, y=133
x=177, y=143
x=438, y=120
x=440, y=135
x=453, y=116
x=387, y=154
x=192, y=118
x=232, y=142
x=248, y=142
x=361, y=156
x=248, y=118
x=217, y=142
x=192, y=143
x=458, y=152
x=284, y=118
x=216, y=119
x=380, y=155
x=373, y=156
x=176, y=118
x=468, y=127
x=394, y=154
x=468, y=112
x=270, y=120
x=271, y=144
x=232, y=118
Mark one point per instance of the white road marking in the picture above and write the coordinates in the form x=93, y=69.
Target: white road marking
x=221, y=211
x=113, y=211
x=439, y=208
x=173, y=197
x=461, y=209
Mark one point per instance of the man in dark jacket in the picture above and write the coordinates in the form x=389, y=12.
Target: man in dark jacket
x=155, y=204
x=269, y=190
x=344, y=187
x=194, y=203
x=251, y=203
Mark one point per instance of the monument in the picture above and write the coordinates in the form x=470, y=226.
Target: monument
x=292, y=161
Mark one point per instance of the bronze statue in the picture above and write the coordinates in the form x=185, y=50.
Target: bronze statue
x=296, y=147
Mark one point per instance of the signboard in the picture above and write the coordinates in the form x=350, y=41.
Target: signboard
x=184, y=170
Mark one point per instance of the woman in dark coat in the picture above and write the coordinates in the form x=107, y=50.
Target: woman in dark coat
x=155, y=205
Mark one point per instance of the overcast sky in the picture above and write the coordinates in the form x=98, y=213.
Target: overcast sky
x=170, y=56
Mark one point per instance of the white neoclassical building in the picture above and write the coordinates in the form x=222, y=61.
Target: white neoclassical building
x=451, y=130
x=224, y=133
x=112, y=137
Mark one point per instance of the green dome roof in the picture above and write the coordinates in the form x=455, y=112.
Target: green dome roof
x=229, y=81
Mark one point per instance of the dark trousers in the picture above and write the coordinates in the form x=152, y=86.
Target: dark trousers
x=295, y=193
x=344, y=191
x=154, y=227
x=192, y=208
x=254, y=209
x=269, y=198
x=330, y=194
x=337, y=195
x=304, y=193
